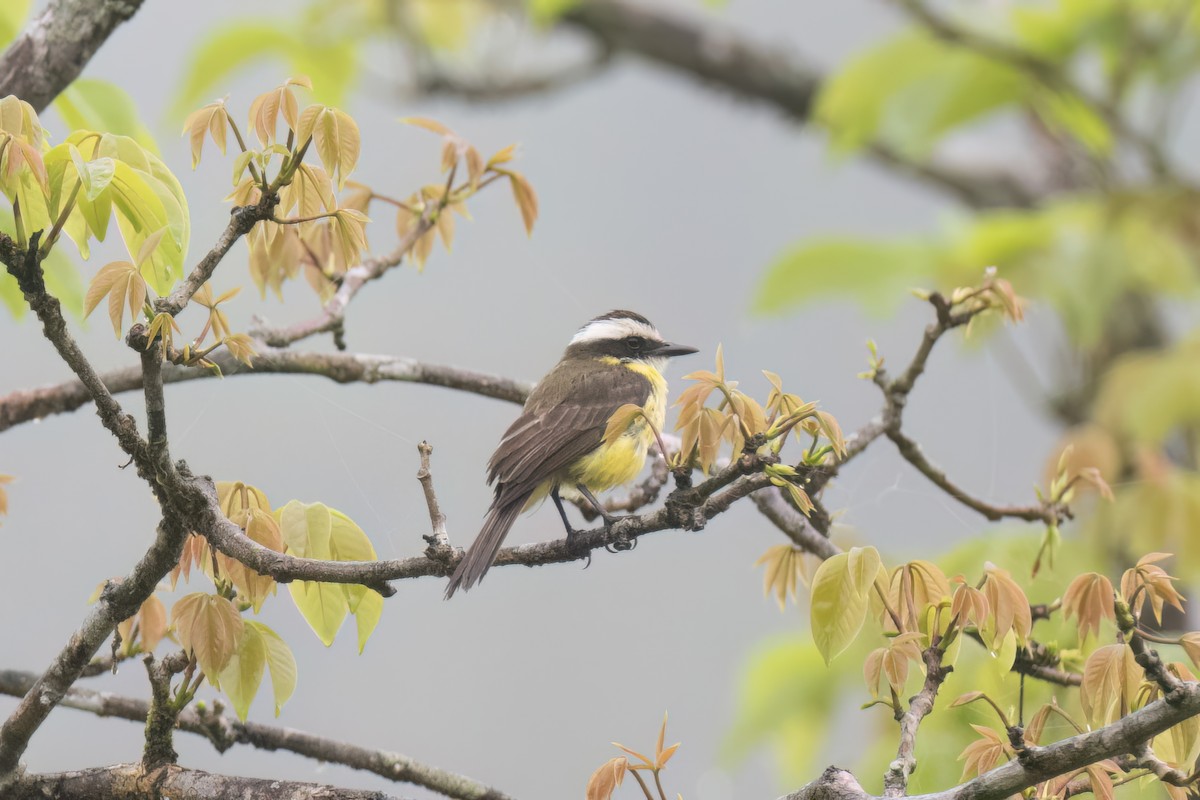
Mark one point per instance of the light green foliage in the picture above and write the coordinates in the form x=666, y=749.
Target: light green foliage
x=1080, y=255
x=875, y=273
x=258, y=649
x=331, y=62
x=313, y=530
x=97, y=105
x=118, y=177
x=544, y=12
x=840, y=598
x=12, y=18
x=792, y=714
x=910, y=91
x=790, y=700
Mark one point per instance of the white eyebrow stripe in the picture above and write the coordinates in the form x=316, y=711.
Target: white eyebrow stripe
x=619, y=328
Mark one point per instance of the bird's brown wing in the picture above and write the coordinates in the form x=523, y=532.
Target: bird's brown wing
x=564, y=420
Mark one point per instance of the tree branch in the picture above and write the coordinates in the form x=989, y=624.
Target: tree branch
x=25, y=266
x=1046, y=72
x=224, y=732
x=896, y=391
x=241, y=220
x=895, y=782
x=31, y=404
x=118, y=601
x=177, y=783
x=722, y=58
x=55, y=47
x=1039, y=764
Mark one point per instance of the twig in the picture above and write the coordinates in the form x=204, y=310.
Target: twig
x=438, y=538
x=1162, y=770
x=896, y=391
x=241, y=220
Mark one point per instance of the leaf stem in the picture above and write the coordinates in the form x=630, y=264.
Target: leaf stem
x=19, y=222
x=299, y=220
x=52, y=237
x=658, y=782
x=237, y=134
x=642, y=783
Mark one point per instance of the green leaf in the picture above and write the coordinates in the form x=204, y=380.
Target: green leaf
x=13, y=14
x=280, y=662
x=64, y=282
x=793, y=715
x=96, y=105
x=331, y=62
x=839, y=598
x=313, y=530
x=367, y=612
x=876, y=273
x=323, y=606
x=911, y=90
x=242, y=676
x=546, y=12
x=1066, y=113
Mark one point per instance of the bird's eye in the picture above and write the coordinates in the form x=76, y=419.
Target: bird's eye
x=634, y=343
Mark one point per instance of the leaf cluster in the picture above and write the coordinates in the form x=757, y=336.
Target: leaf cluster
x=611, y=774
x=749, y=427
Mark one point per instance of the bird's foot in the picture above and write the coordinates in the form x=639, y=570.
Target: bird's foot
x=619, y=542
x=578, y=546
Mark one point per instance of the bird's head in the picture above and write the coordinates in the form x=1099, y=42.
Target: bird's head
x=626, y=336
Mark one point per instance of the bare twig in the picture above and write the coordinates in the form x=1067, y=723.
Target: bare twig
x=438, y=537
x=896, y=391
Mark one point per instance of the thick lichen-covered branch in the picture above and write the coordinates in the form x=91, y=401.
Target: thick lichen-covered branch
x=224, y=732
x=177, y=783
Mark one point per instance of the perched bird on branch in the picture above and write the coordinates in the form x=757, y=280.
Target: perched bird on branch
x=558, y=444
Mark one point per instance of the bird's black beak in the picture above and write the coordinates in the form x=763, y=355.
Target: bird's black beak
x=668, y=349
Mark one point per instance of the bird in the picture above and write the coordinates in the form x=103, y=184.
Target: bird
x=557, y=445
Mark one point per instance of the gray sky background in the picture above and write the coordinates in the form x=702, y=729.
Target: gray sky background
x=657, y=195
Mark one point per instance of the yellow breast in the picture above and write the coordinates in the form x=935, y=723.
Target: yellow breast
x=621, y=461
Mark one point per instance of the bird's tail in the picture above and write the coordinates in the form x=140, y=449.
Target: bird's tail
x=482, y=551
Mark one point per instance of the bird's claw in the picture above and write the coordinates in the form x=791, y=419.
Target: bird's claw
x=574, y=541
